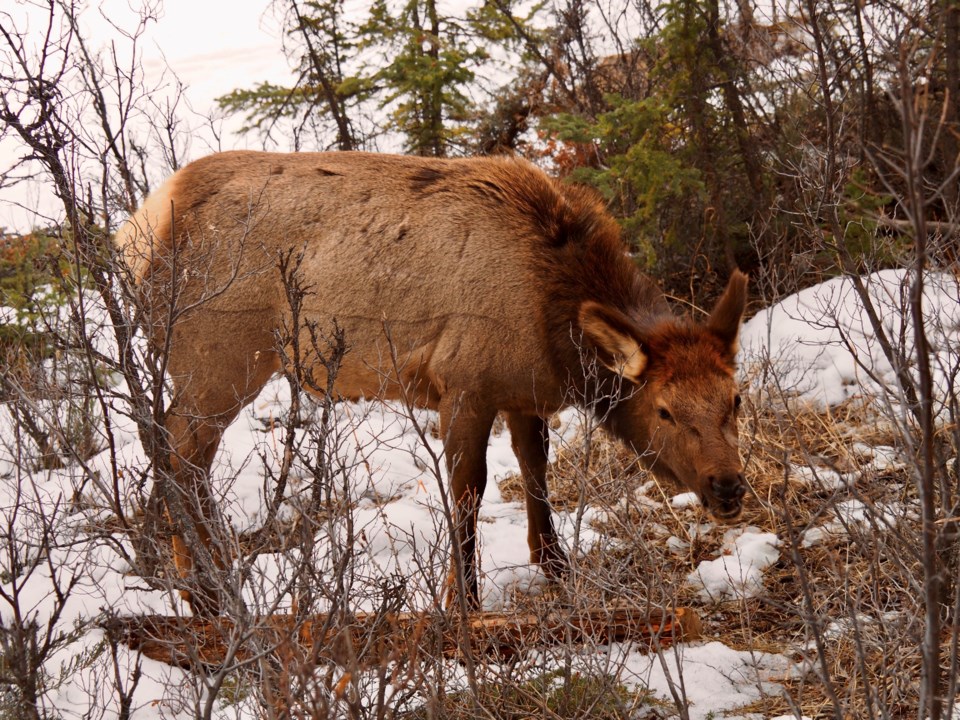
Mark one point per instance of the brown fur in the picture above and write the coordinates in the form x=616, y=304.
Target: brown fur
x=494, y=283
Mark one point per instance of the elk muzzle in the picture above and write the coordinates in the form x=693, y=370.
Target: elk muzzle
x=723, y=494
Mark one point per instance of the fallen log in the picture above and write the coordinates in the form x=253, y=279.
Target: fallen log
x=369, y=639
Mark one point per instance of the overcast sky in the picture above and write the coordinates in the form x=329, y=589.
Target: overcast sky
x=212, y=46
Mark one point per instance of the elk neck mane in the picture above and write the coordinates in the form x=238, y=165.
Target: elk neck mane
x=578, y=255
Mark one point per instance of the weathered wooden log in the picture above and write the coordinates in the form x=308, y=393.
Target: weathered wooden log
x=369, y=639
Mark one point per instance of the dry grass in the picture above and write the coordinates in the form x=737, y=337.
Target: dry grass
x=548, y=695
x=855, y=589
x=610, y=468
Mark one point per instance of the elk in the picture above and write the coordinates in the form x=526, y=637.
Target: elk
x=474, y=286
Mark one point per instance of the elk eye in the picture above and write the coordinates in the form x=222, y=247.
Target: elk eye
x=736, y=402
x=664, y=414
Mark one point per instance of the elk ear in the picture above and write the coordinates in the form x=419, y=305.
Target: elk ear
x=726, y=317
x=615, y=338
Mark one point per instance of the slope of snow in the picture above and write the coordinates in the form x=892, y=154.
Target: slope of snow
x=397, y=513
x=822, y=347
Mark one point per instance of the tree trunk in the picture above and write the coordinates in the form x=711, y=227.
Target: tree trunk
x=374, y=637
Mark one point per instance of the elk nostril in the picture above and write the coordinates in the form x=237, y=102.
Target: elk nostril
x=730, y=487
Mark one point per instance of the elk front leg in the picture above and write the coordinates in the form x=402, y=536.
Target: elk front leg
x=465, y=430
x=531, y=443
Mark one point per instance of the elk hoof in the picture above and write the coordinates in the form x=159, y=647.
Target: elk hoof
x=552, y=560
x=452, y=595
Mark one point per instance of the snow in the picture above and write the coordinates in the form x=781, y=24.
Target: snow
x=824, y=478
x=397, y=512
x=852, y=515
x=824, y=350
x=879, y=457
x=738, y=572
x=714, y=675
x=685, y=500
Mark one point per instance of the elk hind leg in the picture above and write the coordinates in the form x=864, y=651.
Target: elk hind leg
x=199, y=551
x=465, y=429
x=195, y=426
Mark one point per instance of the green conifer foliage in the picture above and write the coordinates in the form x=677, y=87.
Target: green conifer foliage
x=398, y=69
x=671, y=163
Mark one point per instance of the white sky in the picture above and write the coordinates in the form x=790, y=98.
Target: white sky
x=213, y=47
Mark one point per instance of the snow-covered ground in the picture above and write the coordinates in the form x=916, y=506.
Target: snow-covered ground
x=820, y=347
x=397, y=513
x=824, y=348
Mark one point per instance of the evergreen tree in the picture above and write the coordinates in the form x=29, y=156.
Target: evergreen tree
x=676, y=162
x=402, y=68
x=425, y=77
x=327, y=95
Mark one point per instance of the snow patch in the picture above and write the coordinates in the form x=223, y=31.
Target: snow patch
x=852, y=515
x=714, y=676
x=685, y=500
x=879, y=457
x=738, y=572
x=818, y=477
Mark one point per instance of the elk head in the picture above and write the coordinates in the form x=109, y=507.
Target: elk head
x=676, y=401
